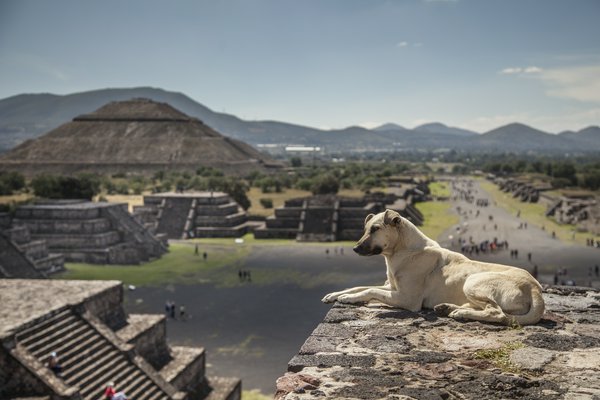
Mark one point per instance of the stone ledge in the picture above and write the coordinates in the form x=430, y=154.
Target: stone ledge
x=138, y=324
x=375, y=352
x=186, y=366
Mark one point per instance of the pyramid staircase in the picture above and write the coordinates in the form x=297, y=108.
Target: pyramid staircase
x=174, y=216
x=36, y=250
x=90, y=359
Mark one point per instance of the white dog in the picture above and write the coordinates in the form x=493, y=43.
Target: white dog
x=422, y=274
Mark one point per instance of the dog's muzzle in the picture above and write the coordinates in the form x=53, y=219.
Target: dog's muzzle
x=362, y=250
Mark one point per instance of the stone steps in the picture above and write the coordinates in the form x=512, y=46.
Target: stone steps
x=174, y=216
x=65, y=226
x=93, y=240
x=52, y=263
x=234, y=231
x=89, y=360
x=35, y=249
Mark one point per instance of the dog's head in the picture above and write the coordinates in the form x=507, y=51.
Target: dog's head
x=381, y=233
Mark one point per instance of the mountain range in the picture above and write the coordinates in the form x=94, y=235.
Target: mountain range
x=27, y=116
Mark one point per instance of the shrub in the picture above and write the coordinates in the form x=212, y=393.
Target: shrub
x=266, y=203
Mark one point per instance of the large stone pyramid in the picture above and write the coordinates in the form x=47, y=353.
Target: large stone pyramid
x=137, y=135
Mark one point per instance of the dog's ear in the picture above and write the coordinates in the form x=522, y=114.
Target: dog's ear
x=391, y=217
x=369, y=218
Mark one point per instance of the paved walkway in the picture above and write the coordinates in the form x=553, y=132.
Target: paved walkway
x=481, y=223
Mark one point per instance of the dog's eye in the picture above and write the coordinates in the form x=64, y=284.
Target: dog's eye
x=374, y=229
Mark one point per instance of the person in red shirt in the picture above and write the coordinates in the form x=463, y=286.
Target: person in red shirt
x=111, y=394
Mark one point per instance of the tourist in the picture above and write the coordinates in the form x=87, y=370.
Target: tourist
x=167, y=307
x=54, y=363
x=111, y=394
x=205, y=256
x=528, y=256
x=172, y=310
x=535, y=271
x=182, y=312
x=597, y=270
x=342, y=253
x=196, y=250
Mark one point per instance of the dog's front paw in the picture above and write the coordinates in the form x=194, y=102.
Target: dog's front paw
x=349, y=299
x=330, y=298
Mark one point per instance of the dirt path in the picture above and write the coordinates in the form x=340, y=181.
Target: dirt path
x=547, y=253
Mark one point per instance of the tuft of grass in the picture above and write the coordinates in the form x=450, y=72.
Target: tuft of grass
x=500, y=357
x=255, y=394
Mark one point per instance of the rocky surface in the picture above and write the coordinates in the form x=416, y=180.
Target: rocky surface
x=375, y=352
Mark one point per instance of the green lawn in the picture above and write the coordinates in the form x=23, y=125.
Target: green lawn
x=439, y=189
x=179, y=265
x=438, y=217
x=534, y=214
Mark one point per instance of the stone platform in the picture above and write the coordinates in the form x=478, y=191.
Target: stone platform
x=84, y=322
x=375, y=352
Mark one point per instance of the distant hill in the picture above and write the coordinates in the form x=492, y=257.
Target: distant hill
x=28, y=116
x=137, y=135
x=436, y=127
x=390, y=126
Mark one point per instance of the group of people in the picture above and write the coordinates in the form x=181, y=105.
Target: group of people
x=245, y=275
x=336, y=251
x=171, y=310
x=592, y=243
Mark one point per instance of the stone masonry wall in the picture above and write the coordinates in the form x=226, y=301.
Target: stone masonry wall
x=375, y=352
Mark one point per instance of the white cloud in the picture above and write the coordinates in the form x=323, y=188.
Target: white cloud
x=521, y=70
x=401, y=44
x=532, y=70
x=370, y=124
x=580, y=83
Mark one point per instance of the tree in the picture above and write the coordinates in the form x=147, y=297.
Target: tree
x=66, y=187
x=11, y=182
x=296, y=162
x=326, y=184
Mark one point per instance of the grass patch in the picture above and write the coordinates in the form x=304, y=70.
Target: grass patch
x=534, y=214
x=179, y=266
x=438, y=217
x=254, y=394
x=15, y=198
x=440, y=189
x=500, y=357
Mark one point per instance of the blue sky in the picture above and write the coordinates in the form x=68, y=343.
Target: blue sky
x=476, y=64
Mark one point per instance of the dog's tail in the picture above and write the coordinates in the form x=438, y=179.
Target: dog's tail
x=536, y=310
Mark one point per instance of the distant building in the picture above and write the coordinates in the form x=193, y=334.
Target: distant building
x=193, y=214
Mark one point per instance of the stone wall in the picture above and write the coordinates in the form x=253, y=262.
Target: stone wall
x=371, y=352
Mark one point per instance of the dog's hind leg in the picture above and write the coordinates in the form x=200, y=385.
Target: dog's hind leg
x=481, y=306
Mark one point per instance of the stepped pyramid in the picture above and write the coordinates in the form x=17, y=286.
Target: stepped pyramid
x=22, y=257
x=84, y=322
x=193, y=214
x=137, y=135
x=83, y=231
